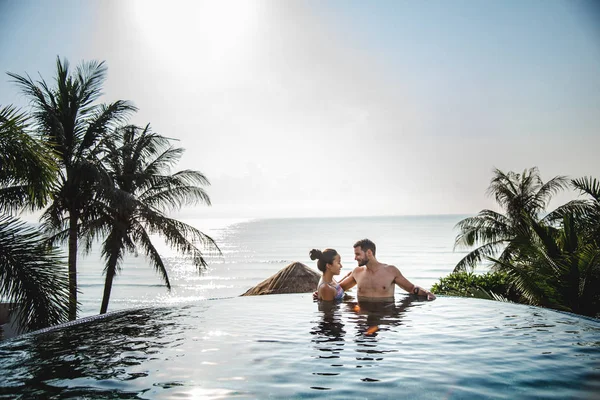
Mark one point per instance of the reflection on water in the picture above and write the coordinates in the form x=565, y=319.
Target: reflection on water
x=330, y=327
x=286, y=346
x=367, y=318
x=68, y=362
x=371, y=319
x=372, y=316
x=329, y=333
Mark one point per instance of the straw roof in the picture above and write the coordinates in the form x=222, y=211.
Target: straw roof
x=295, y=278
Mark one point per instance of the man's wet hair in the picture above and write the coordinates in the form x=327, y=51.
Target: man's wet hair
x=366, y=244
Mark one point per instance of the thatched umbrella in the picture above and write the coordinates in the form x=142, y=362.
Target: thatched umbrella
x=295, y=278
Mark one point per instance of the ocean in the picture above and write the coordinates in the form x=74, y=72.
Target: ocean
x=254, y=249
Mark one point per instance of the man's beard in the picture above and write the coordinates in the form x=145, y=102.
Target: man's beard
x=362, y=263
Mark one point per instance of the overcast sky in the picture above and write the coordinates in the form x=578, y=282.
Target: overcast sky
x=327, y=108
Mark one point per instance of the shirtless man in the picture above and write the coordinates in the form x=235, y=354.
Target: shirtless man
x=376, y=280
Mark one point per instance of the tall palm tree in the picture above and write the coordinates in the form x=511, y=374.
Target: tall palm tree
x=139, y=162
x=522, y=196
x=71, y=123
x=32, y=274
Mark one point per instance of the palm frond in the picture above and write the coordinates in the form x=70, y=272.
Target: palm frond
x=104, y=118
x=575, y=207
x=176, y=234
x=14, y=198
x=545, y=234
x=143, y=238
x=25, y=164
x=487, y=220
x=588, y=185
x=499, y=297
x=476, y=256
x=522, y=279
x=589, y=267
x=163, y=162
x=32, y=275
x=502, y=187
x=90, y=76
x=172, y=198
x=547, y=190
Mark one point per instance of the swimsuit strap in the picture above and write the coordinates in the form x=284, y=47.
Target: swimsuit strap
x=339, y=292
x=321, y=284
x=332, y=284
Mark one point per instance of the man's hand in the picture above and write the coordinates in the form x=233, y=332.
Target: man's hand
x=315, y=296
x=430, y=296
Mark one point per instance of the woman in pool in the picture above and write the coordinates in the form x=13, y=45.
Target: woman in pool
x=330, y=263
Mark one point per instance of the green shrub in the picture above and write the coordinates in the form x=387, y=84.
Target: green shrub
x=491, y=285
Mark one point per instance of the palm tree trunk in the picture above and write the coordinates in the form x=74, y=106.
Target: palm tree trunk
x=73, y=217
x=110, y=275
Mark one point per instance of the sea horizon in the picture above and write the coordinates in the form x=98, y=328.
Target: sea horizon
x=253, y=249
x=256, y=248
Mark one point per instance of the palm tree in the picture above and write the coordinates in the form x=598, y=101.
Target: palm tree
x=68, y=120
x=557, y=267
x=139, y=162
x=522, y=196
x=32, y=274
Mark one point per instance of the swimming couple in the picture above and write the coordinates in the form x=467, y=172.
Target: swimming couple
x=375, y=280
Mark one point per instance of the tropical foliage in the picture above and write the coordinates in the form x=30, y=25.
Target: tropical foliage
x=522, y=196
x=558, y=269
x=27, y=170
x=32, y=274
x=491, y=285
x=138, y=161
x=71, y=124
x=552, y=260
x=96, y=179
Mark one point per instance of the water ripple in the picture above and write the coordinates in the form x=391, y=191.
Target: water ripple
x=286, y=346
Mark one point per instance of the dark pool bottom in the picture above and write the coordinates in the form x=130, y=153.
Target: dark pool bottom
x=286, y=346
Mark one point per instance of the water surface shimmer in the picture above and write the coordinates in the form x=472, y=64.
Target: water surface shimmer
x=286, y=346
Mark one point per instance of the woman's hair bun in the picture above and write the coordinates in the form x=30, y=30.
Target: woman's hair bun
x=316, y=254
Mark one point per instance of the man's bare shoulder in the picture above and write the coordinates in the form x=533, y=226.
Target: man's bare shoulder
x=392, y=269
x=358, y=269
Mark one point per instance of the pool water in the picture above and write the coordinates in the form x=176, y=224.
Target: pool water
x=286, y=346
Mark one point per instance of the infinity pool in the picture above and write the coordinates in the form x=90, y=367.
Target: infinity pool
x=286, y=346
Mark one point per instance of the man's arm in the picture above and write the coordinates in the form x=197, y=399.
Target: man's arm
x=347, y=282
x=405, y=284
